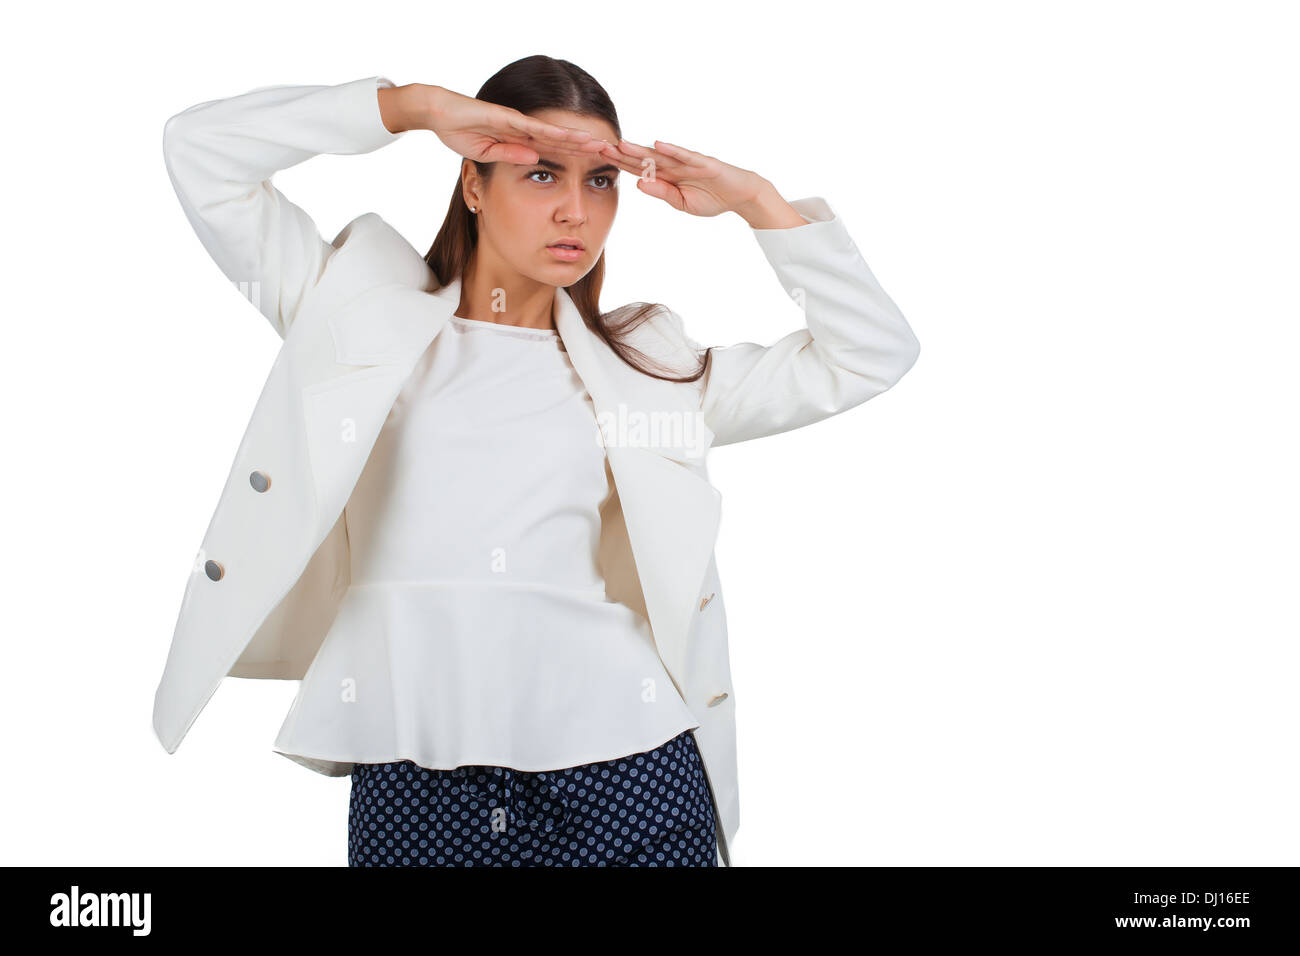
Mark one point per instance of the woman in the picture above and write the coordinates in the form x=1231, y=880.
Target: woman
x=499, y=688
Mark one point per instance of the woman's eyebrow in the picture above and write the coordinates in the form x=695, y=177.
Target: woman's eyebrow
x=560, y=167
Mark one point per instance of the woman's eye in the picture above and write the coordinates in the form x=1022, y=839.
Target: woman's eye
x=608, y=179
x=540, y=172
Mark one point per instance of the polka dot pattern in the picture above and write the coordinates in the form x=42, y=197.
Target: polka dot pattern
x=646, y=809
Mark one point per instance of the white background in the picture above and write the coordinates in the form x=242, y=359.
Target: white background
x=1034, y=605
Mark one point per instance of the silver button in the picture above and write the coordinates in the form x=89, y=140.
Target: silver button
x=215, y=571
x=707, y=600
x=259, y=480
x=717, y=700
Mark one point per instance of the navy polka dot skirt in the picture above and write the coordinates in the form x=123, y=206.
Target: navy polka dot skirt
x=646, y=809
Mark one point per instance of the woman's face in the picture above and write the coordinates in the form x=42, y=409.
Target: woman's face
x=524, y=209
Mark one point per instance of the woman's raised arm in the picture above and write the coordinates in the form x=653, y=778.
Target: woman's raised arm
x=855, y=343
x=221, y=155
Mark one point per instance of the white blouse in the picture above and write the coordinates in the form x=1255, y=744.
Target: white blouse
x=476, y=629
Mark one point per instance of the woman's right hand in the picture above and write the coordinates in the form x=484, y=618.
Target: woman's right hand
x=489, y=133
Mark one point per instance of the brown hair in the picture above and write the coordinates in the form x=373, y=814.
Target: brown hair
x=529, y=85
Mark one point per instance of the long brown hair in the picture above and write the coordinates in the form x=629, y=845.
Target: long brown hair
x=529, y=85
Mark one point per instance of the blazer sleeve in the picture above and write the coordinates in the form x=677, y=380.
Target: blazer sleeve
x=856, y=343
x=221, y=155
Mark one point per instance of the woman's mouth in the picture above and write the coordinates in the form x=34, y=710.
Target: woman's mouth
x=567, y=248
x=565, y=251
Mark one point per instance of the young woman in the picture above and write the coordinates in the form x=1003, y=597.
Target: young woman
x=478, y=650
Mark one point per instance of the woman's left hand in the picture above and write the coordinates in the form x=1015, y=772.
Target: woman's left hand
x=688, y=181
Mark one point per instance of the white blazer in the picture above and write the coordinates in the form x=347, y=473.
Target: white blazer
x=355, y=314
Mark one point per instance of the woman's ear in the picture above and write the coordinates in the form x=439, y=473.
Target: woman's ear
x=470, y=184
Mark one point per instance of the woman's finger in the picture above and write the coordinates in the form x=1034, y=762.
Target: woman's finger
x=641, y=152
x=661, y=189
x=681, y=154
x=689, y=162
x=638, y=169
x=624, y=162
x=550, y=134
x=518, y=153
x=663, y=163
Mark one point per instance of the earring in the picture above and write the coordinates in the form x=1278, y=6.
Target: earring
x=472, y=209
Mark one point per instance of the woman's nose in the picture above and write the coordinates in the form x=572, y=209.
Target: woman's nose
x=573, y=208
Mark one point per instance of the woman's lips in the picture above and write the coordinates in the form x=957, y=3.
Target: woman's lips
x=567, y=255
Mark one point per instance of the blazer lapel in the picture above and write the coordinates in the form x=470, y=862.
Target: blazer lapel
x=671, y=511
x=377, y=337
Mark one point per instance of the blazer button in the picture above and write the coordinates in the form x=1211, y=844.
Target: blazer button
x=215, y=571
x=717, y=700
x=259, y=480
x=707, y=600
